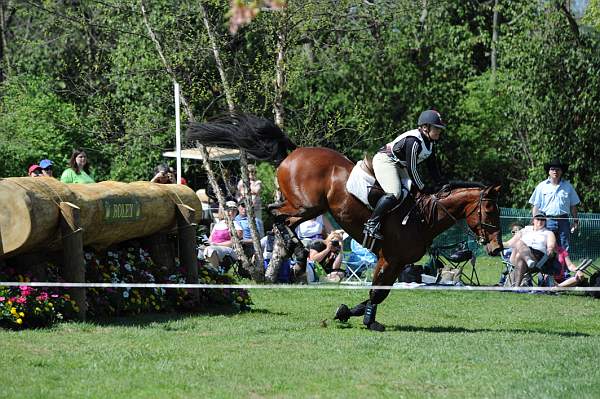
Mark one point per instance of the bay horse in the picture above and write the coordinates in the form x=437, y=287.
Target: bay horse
x=312, y=181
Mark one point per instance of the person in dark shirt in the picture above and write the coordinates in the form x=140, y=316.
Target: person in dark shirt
x=395, y=166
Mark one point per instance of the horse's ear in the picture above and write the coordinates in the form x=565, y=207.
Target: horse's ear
x=493, y=190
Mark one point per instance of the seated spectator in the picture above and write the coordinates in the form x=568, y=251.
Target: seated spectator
x=531, y=247
x=173, y=176
x=161, y=175
x=34, y=171
x=78, y=170
x=220, y=244
x=567, y=266
x=267, y=244
x=328, y=254
x=313, y=229
x=242, y=219
x=46, y=166
x=514, y=229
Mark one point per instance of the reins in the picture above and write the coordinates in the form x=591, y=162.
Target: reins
x=479, y=238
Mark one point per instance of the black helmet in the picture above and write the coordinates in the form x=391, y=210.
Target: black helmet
x=431, y=117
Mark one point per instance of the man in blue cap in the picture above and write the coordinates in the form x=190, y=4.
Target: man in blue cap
x=46, y=166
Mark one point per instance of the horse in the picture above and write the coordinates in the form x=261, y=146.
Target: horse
x=312, y=181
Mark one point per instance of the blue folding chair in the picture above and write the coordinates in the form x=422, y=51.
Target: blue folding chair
x=358, y=262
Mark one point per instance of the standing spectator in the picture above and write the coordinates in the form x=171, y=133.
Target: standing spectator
x=161, y=175
x=556, y=198
x=255, y=188
x=34, y=171
x=78, y=170
x=46, y=166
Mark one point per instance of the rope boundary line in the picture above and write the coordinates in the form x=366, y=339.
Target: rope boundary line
x=396, y=287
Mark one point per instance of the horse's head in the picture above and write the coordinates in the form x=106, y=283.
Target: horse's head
x=483, y=217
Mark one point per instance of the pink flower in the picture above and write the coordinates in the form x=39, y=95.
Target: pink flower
x=21, y=299
x=2, y=299
x=54, y=296
x=25, y=290
x=42, y=297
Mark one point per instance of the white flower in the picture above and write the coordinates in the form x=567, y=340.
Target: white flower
x=88, y=256
x=127, y=267
x=125, y=294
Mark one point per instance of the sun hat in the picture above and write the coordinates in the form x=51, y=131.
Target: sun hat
x=44, y=163
x=230, y=205
x=540, y=215
x=33, y=167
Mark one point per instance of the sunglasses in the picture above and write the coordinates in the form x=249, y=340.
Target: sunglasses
x=514, y=231
x=48, y=169
x=555, y=169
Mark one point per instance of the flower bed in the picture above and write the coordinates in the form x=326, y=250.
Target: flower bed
x=26, y=307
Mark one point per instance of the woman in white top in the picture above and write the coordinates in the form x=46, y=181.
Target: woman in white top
x=531, y=246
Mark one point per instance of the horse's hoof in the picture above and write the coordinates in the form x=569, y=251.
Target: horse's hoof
x=342, y=313
x=375, y=326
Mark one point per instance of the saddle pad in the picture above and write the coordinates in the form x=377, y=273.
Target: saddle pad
x=359, y=183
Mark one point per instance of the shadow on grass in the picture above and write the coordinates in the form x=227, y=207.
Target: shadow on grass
x=147, y=319
x=446, y=329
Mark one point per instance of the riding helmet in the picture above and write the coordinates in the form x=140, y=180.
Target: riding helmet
x=431, y=117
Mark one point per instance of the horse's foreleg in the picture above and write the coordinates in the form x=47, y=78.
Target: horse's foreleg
x=385, y=274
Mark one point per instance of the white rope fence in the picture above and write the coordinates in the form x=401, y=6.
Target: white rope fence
x=399, y=286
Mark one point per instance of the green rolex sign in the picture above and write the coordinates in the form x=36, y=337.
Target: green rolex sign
x=121, y=209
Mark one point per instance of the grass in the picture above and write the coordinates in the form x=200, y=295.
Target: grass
x=437, y=344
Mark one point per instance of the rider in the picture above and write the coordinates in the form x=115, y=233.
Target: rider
x=395, y=166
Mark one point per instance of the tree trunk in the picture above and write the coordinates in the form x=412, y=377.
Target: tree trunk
x=256, y=270
x=494, y=39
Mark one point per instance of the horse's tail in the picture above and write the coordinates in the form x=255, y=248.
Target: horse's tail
x=259, y=137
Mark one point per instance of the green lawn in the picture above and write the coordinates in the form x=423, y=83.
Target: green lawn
x=437, y=344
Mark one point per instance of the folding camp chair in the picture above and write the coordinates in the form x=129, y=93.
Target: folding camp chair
x=528, y=276
x=456, y=257
x=358, y=262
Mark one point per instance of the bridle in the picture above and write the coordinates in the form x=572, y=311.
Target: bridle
x=480, y=226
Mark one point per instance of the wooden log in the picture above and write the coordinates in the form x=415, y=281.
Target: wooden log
x=187, y=245
x=73, y=262
x=111, y=212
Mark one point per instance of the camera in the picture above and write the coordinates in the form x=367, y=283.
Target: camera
x=335, y=243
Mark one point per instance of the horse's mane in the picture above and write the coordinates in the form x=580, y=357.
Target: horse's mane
x=260, y=137
x=456, y=184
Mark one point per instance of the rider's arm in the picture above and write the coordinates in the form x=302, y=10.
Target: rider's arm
x=411, y=148
x=433, y=168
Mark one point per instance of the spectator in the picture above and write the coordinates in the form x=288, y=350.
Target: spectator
x=34, y=171
x=267, y=243
x=46, y=166
x=568, y=265
x=78, y=170
x=255, y=189
x=506, y=254
x=161, y=175
x=173, y=176
x=242, y=219
x=313, y=229
x=531, y=248
x=328, y=254
x=220, y=244
x=557, y=198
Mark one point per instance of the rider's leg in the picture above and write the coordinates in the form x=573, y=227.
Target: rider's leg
x=387, y=173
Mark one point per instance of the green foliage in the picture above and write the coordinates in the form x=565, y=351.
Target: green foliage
x=35, y=123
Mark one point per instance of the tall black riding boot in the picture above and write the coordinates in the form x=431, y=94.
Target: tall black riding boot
x=373, y=225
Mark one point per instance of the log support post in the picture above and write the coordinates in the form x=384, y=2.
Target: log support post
x=161, y=251
x=73, y=261
x=186, y=239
